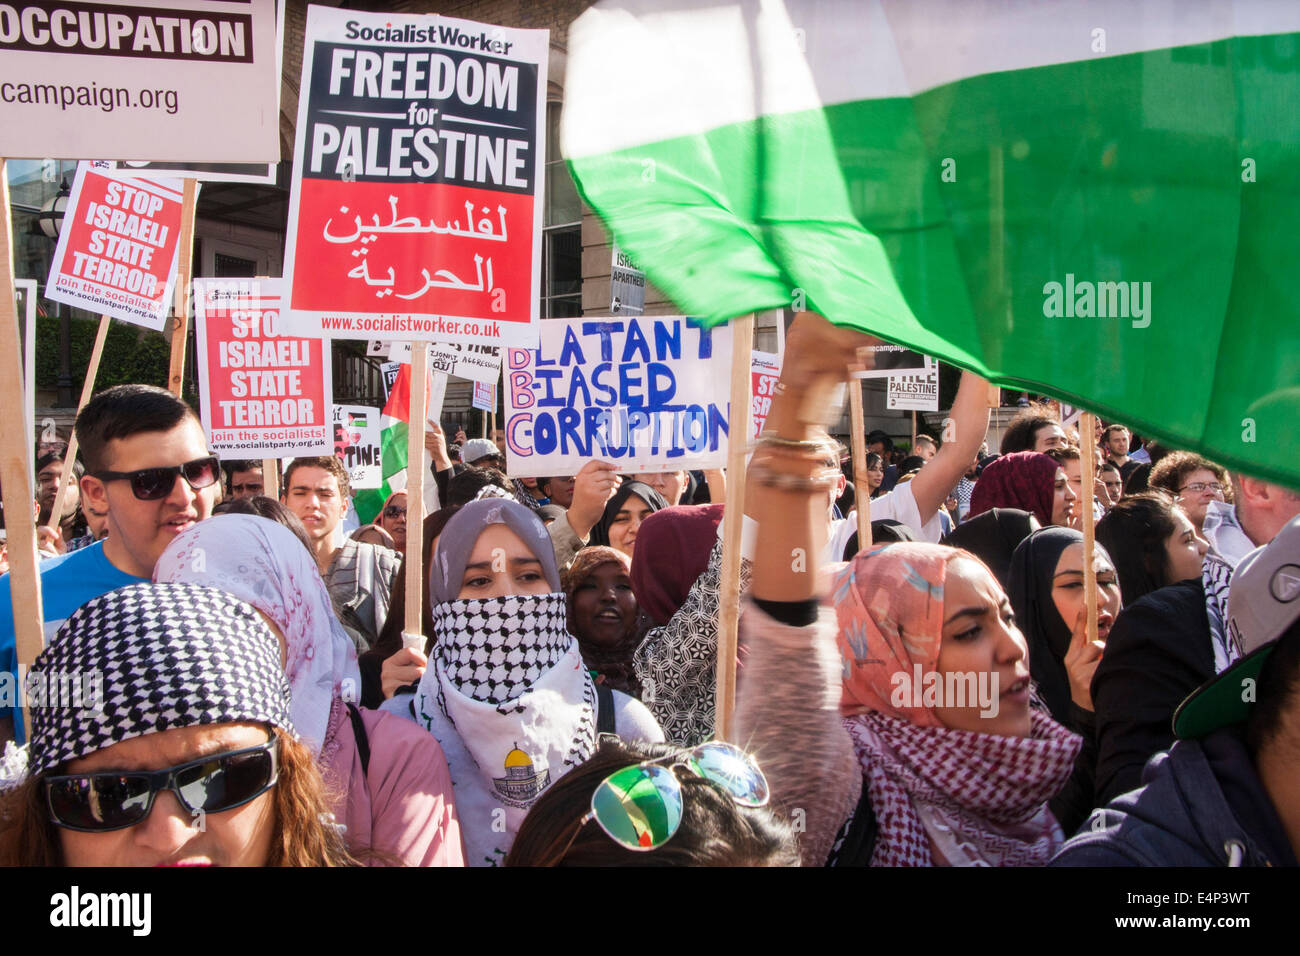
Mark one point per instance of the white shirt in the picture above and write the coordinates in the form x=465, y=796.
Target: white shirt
x=899, y=504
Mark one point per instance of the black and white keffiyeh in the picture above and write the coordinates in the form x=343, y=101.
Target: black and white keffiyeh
x=161, y=657
x=494, y=649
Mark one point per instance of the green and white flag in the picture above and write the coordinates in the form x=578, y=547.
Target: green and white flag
x=1097, y=201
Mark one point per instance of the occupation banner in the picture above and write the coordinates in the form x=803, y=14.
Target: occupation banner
x=648, y=393
x=168, y=80
x=914, y=392
x=262, y=394
x=358, y=442
x=117, y=250
x=416, y=203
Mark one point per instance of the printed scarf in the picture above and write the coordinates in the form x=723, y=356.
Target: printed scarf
x=981, y=799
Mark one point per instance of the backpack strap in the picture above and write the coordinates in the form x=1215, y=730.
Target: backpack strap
x=604, y=710
x=363, y=743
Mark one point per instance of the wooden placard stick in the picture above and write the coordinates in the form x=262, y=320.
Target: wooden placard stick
x=184, y=260
x=858, y=442
x=1086, y=495
x=16, y=468
x=87, y=389
x=412, y=636
x=733, y=517
x=271, y=477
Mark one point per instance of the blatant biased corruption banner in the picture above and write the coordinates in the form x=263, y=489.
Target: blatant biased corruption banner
x=647, y=393
x=118, y=246
x=415, y=211
x=262, y=394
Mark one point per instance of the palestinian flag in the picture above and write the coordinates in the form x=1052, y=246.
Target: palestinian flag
x=393, y=444
x=1096, y=201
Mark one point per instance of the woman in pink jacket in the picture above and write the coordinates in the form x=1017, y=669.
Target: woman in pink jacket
x=392, y=789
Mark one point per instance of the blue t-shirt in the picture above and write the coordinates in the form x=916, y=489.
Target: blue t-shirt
x=67, y=582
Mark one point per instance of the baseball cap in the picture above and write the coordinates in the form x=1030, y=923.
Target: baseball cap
x=477, y=448
x=1263, y=601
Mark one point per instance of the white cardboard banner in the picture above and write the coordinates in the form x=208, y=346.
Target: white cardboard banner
x=357, y=441
x=646, y=393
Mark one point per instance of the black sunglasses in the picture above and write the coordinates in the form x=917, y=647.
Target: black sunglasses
x=150, y=484
x=114, y=800
x=392, y=511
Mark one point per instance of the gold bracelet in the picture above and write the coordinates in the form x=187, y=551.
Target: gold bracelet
x=823, y=480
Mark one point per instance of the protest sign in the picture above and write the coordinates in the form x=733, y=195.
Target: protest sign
x=416, y=208
x=916, y=392
x=484, y=397
x=170, y=80
x=626, y=285
x=765, y=368
x=262, y=394
x=477, y=363
x=25, y=303
x=885, y=360
x=357, y=441
x=390, y=371
x=261, y=173
x=117, y=250
x=647, y=393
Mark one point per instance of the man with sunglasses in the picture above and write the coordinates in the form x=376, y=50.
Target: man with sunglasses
x=148, y=467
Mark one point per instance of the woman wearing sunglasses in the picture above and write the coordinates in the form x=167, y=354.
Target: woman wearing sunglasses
x=393, y=790
x=637, y=805
x=392, y=518
x=179, y=749
x=901, y=725
x=506, y=693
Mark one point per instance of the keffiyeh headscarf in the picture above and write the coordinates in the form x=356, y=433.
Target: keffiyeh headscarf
x=163, y=657
x=506, y=693
x=981, y=799
x=264, y=564
x=1023, y=479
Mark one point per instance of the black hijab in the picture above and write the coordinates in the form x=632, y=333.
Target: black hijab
x=993, y=536
x=600, y=533
x=1033, y=567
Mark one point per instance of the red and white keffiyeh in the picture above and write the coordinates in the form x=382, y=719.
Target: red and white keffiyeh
x=979, y=799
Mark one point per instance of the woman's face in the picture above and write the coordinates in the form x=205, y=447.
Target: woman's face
x=501, y=565
x=393, y=519
x=170, y=835
x=1068, y=594
x=875, y=476
x=981, y=647
x=623, y=529
x=1185, y=548
x=604, y=607
x=1063, y=499
x=1195, y=500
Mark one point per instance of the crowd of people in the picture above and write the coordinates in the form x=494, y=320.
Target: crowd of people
x=930, y=698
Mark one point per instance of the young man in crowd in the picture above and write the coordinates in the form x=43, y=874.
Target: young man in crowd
x=148, y=469
x=359, y=576
x=1035, y=429
x=1226, y=793
x=925, y=448
x=1193, y=481
x=1116, y=440
x=1114, y=482
x=245, y=478
x=50, y=471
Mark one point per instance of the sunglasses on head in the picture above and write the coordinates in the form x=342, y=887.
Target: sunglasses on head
x=114, y=800
x=150, y=484
x=640, y=807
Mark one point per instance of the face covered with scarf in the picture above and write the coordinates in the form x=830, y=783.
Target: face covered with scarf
x=506, y=692
x=936, y=698
x=263, y=563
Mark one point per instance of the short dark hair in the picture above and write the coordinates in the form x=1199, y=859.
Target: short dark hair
x=271, y=510
x=1277, y=691
x=123, y=411
x=1062, y=455
x=1022, y=431
x=328, y=462
x=1105, y=435
x=714, y=829
x=462, y=488
x=1109, y=466
x=243, y=464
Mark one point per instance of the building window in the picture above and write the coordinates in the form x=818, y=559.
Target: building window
x=561, y=231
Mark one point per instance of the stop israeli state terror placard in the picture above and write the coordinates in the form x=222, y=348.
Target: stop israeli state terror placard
x=118, y=246
x=415, y=210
